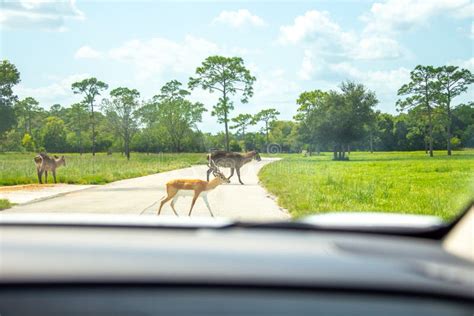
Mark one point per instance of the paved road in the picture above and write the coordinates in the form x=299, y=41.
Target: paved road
x=142, y=196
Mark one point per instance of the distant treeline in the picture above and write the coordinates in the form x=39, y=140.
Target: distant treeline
x=337, y=121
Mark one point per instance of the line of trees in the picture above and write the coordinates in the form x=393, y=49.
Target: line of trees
x=340, y=121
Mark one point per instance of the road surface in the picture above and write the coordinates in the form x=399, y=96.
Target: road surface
x=142, y=195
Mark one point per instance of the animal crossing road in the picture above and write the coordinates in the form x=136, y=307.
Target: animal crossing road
x=142, y=195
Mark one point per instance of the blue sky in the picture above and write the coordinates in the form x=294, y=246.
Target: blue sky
x=289, y=46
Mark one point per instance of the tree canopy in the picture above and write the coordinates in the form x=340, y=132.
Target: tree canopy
x=90, y=88
x=266, y=116
x=177, y=115
x=9, y=77
x=122, y=112
x=229, y=77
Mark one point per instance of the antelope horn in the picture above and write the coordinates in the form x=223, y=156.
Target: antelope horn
x=213, y=164
x=215, y=168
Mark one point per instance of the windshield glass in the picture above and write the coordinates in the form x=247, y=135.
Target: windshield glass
x=243, y=110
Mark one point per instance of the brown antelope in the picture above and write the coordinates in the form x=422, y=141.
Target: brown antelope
x=195, y=187
x=231, y=160
x=45, y=163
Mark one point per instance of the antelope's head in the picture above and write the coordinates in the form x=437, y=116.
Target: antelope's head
x=60, y=161
x=217, y=173
x=257, y=156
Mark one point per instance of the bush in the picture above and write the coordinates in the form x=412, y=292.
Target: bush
x=456, y=143
x=28, y=143
x=235, y=146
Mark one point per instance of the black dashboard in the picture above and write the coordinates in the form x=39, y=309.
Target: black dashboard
x=87, y=270
x=198, y=300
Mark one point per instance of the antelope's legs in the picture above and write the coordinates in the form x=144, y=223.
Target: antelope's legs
x=171, y=193
x=176, y=197
x=204, y=197
x=54, y=175
x=40, y=175
x=208, y=174
x=196, y=195
x=238, y=174
x=46, y=177
x=231, y=173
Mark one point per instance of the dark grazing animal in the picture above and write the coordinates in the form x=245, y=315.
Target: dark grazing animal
x=45, y=163
x=231, y=160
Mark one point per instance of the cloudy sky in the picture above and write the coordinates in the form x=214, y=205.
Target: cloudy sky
x=289, y=46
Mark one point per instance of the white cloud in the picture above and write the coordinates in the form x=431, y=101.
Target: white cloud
x=384, y=83
x=160, y=55
x=376, y=47
x=464, y=63
x=312, y=64
x=396, y=15
x=38, y=14
x=57, y=92
x=311, y=25
x=239, y=18
x=307, y=66
x=274, y=88
x=87, y=52
x=317, y=30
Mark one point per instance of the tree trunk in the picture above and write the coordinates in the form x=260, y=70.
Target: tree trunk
x=127, y=148
x=81, y=148
x=339, y=154
x=29, y=124
x=226, y=132
x=371, y=144
x=126, y=141
x=335, y=152
x=430, y=122
x=448, y=129
x=93, y=129
x=266, y=130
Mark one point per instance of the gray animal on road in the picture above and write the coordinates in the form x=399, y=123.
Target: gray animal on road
x=234, y=161
x=45, y=163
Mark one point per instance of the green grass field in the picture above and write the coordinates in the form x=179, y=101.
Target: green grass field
x=402, y=182
x=4, y=204
x=19, y=168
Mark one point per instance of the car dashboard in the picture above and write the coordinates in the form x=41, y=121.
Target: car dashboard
x=112, y=270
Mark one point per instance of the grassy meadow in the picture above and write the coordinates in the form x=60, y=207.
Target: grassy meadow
x=4, y=204
x=402, y=182
x=19, y=168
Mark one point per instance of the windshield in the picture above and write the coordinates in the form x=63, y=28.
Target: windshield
x=266, y=110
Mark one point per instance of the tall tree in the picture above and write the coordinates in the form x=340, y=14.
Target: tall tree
x=372, y=129
x=9, y=77
x=340, y=118
x=56, y=110
x=177, y=114
x=452, y=82
x=242, y=121
x=228, y=76
x=421, y=92
x=122, y=112
x=54, y=134
x=25, y=110
x=267, y=116
x=77, y=122
x=90, y=88
x=309, y=102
